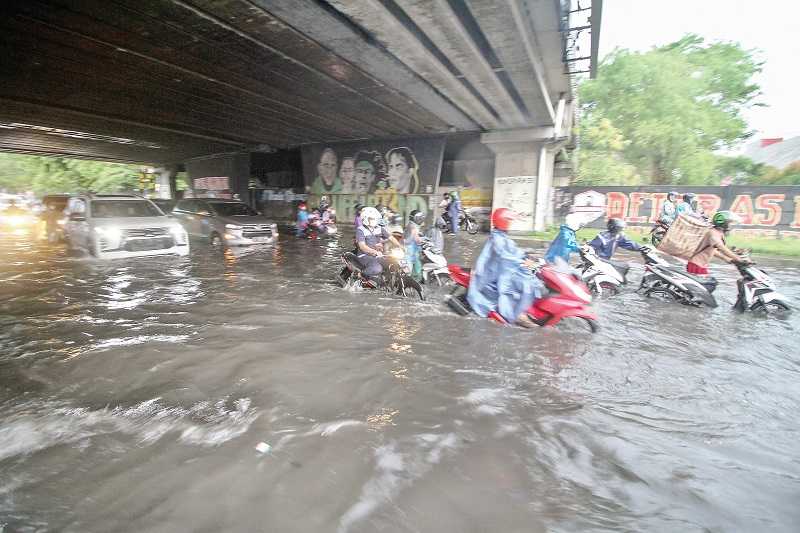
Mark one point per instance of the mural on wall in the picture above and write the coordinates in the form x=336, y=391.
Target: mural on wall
x=515, y=193
x=762, y=210
x=398, y=174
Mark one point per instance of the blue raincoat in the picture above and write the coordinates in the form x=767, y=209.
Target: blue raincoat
x=563, y=245
x=605, y=244
x=499, y=282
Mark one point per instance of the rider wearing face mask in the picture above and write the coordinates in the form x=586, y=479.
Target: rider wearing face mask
x=606, y=243
x=370, y=239
x=501, y=280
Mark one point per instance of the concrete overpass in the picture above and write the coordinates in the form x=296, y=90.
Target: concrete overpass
x=168, y=81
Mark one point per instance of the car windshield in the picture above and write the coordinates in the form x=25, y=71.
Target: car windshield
x=232, y=209
x=123, y=208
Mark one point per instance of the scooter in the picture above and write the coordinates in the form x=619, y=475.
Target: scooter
x=661, y=279
x=395, y=277
x=757, y=292
x=602, y=277
x=465, y=221
x=658, y=232
x=434, y=264
x=567, y=297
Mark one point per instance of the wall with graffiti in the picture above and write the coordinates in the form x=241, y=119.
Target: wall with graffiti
x=770, y=211
x=401, y=174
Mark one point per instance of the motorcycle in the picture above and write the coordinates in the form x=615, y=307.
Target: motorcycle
x=657, y=233
x=434, y=264
x=602, y=277
x=661, y=279
x=567, y=297
x=465, y=221
x=757, y=292
x=394, y=279
x=321, y=225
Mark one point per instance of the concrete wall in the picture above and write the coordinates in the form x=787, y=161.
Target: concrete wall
x=770, y=211
x=233, y=171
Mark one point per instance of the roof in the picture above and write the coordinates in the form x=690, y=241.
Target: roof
x=779, y=155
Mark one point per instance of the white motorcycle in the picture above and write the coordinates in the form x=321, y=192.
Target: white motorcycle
x=601, y=276
x=757, y=292
x=434, y=264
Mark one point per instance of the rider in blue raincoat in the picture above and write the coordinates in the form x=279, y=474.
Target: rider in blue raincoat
x=501, y=280
x=565, y=242
x=606, y=243
x=454, y=210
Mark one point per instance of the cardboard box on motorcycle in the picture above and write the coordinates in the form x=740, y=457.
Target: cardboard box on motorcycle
x=683, y=237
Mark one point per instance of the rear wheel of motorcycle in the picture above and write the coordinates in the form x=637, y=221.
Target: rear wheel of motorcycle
x=657, y=238
x=774, y=307
x=472, y=227
x=662, y=293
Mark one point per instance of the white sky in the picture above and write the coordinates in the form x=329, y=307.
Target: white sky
x=772, y=26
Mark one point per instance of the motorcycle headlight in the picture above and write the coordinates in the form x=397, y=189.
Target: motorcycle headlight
x=397, y=253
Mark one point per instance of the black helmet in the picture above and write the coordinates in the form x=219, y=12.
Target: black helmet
x=615, y=225
x=416, y=216
x=396, y=220
x=689, y=197
x=672, y=195
x=357, y=208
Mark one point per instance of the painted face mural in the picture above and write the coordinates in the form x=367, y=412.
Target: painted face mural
x=347, y=174
x=364, y=174
x=402, y=170
x=327, y=166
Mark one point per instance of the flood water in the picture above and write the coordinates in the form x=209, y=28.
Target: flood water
x=133, y=395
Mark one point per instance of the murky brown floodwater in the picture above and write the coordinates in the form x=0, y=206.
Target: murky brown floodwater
x=133, y=395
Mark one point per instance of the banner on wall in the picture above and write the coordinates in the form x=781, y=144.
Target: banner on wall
x=518, y=194
x=762, y=211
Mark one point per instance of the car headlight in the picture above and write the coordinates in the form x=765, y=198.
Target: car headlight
x=110, y=232
x=178, y=233
x=18, y=220
x=397, y=253
x=233, y=227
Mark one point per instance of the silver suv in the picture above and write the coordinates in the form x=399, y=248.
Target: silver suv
x=116, y=226
x=224, y=222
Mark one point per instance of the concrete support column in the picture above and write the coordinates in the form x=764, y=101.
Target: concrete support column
x=524, y=158
x=165, y=181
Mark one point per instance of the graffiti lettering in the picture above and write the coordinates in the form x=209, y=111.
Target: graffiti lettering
x=616, y=205
x=709, y=202
x=796, y=222
x=770, y=203
x=743, y=206
x=636, y=201
x=657, y=199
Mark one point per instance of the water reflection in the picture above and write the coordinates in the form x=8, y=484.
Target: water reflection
x=164, y=374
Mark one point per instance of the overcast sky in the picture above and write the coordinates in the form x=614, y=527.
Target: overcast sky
x=768, y=25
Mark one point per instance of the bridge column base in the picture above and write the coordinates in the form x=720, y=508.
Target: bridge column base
x=523, y=172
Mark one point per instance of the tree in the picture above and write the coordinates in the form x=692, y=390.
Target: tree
x=674, y=106
x=788, y=176
x=742, y=170
x=600, y=157
x=45, y=175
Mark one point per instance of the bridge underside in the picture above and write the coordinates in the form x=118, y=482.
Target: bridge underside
x=164, y=81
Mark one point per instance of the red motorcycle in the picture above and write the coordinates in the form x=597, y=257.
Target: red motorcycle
x=567, y=296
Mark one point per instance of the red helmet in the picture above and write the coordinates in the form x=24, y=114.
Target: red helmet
x=301, y=205
x=502, y=218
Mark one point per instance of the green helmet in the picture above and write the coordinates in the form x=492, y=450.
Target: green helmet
x=722, y=219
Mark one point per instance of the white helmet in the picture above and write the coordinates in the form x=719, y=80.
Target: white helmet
x=574, y=221
x=370, y=217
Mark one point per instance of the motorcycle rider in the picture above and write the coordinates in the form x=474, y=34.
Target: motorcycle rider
x=370, y=238
x=606, y=243
x=668, y=209
x=566, y=241
x=501, y=279
x=713, y=243
x=688, y=206
x=453, y=210
x=412, y=239
x=302, y=219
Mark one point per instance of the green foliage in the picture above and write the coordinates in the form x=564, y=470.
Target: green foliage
x=49, y=175
x=788, y=176
x=600, y=155
x=742, y=170
x=672, y=107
